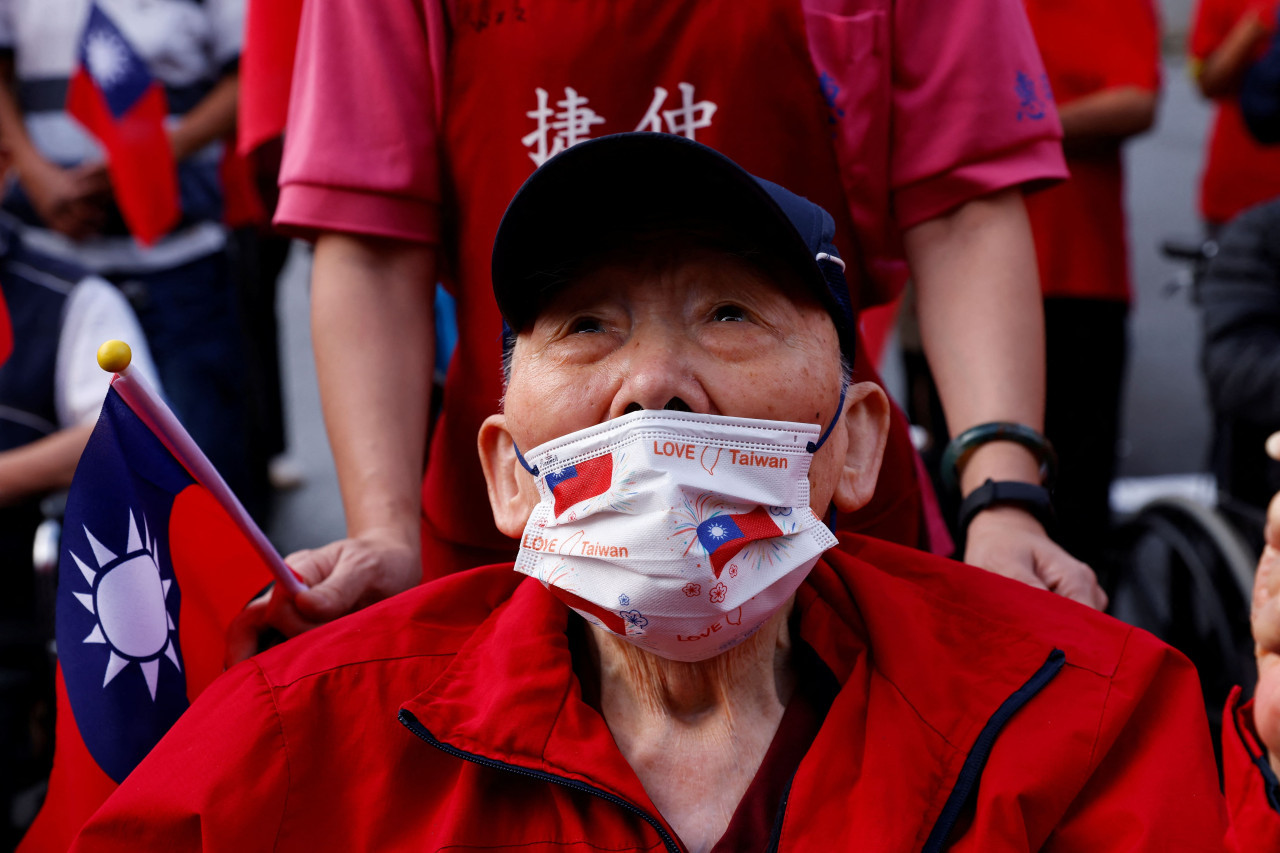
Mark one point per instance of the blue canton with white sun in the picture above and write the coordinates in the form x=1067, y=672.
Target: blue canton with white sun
x=118, y=601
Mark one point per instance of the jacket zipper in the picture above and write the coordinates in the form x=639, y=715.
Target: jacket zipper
x=776, y=835
x=411, y=723
x=971, y=771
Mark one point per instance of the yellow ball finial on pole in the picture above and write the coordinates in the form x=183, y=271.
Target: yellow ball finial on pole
x=114, y=356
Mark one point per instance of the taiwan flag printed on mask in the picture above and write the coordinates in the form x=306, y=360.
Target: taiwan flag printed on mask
x=580, y=482
x=151, y=573
x=114, y=96
x=723, y=536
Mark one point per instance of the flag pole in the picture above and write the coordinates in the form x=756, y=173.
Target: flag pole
x=133, y=388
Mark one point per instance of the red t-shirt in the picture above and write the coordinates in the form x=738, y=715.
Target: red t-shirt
x=1079, y=226
x=1238, y=172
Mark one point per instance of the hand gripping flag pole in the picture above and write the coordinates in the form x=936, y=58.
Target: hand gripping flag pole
x=114, y=357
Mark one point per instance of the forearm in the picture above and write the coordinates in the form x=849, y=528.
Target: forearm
x=213, y=118
x=373, y=330
x=1107, y=117
x=13, y=128
x=42, y=466
x=982, y=324
x=1222, y=70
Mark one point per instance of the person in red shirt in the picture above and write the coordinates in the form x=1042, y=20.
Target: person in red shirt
x=1103, y=62
x=1227, y=36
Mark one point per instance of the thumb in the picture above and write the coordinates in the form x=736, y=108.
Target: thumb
x=334, y=596
x=242, y=633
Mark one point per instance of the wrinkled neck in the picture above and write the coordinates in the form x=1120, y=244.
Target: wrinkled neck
x=754, y=677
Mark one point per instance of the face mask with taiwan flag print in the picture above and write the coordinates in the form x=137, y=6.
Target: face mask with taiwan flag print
x=681, y=532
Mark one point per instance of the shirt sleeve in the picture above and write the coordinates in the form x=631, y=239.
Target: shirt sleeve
x=361, y=147
x=973, y=69
x=95, y=312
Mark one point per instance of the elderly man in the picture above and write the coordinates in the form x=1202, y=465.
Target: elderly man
x=678, y=427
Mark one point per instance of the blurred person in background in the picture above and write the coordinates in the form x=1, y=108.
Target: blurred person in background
x=50, y=392
x=843, y=102
x=1105, y=93
x=1227, y=36
x=182, y=287
x=1239, y=298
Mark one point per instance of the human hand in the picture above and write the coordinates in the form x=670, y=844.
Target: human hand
x=341, y=577
x=71, y=201
x=1010, y=542
x=1265, y=620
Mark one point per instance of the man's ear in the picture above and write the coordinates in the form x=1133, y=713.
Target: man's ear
x=866, y=422
x=512, y=491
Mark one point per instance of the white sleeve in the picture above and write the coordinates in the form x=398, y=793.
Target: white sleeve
x=226, y=18
x=95, y=312
x=7, y=37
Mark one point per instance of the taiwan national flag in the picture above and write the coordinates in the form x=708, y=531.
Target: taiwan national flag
x=114, y=96
x=579, y=482
x=723, y=536
x=152, y=571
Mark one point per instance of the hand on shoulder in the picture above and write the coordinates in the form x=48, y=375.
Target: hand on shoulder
x=1009, y=541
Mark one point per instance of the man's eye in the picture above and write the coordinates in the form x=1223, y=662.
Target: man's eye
x=586, y=324
x=729, y=314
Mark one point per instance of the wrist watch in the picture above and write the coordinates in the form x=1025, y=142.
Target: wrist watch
x=1034, y=499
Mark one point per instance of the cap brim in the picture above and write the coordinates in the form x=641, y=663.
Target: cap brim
x=629, y=181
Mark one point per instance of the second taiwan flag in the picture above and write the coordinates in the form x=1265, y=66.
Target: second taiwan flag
x=113, y=94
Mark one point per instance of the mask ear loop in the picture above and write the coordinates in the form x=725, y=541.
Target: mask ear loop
x=533, y=469
x=822, y=439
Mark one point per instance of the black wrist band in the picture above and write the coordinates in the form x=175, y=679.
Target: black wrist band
x=1034, y=499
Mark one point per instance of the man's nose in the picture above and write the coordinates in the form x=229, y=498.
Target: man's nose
x=675, y=404
x=660, y=373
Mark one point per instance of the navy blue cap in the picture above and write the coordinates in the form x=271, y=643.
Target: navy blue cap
x=611, y=184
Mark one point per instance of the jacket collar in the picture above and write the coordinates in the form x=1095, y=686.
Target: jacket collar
x=511, y=694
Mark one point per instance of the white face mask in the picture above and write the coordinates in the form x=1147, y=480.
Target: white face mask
x=681, y=532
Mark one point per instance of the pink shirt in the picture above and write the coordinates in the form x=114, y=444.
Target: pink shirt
x=361, y=153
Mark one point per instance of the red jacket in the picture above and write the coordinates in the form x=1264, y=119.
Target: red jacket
x=974, y=712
